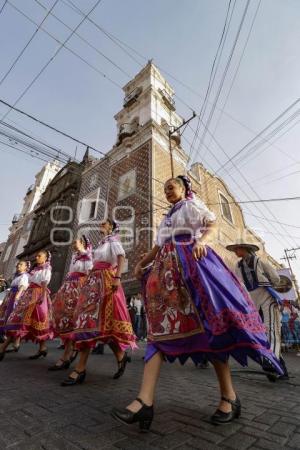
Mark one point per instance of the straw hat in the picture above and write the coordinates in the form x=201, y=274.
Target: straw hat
x=243, y=244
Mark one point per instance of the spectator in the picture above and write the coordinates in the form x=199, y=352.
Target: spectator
x=137, y=306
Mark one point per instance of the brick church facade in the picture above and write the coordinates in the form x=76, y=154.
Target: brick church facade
x=128, y=182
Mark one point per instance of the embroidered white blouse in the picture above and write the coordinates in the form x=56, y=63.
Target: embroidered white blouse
x=42, y=275
x=81, y=265
x=190, y=218
x=108, y=251
x=21, y=281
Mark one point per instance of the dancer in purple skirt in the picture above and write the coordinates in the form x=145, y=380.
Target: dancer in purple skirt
x=195, y=306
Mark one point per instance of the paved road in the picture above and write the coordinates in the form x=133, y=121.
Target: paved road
x=36, y=413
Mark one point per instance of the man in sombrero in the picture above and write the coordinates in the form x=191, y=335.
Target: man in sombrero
x=260, y=278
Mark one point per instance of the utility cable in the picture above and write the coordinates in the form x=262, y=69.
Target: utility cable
x=51, y=59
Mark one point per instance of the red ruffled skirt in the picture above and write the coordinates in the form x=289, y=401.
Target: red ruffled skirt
x=64, y=304
x=101, y=314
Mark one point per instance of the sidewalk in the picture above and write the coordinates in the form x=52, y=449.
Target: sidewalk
x=36, y=413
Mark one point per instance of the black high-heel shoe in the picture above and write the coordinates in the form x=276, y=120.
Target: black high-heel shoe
x=63, y=366
x=14, y=349
x=39, y=354
x=70, y=381
x=73, y=356
x=221, y=417
x=122, y=366
x=144, y=416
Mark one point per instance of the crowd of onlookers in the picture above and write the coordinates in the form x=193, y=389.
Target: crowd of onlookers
x=290, y=321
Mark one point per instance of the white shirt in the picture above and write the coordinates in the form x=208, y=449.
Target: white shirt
x=82, y=266
x=137, y=304
x=108, y=251
x=190, y=218
x=21, y=281
x=41, y=276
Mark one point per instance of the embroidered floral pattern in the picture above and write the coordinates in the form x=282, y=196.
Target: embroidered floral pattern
x=171, y=312
x=101, y=314
x=65, y=302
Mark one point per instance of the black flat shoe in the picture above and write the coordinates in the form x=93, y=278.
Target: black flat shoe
x=122, y=366
x=39, y=354
x=2, y=354
x=63, y=366
x=220, y=417
x=144, y=416
x=70, y=381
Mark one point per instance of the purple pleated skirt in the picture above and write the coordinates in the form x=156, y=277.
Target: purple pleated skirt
x=199, y=309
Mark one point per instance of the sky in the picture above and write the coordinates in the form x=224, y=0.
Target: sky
x=182, y=38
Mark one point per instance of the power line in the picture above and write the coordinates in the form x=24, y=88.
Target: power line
x=11, y=127
x=275, y=221
x=57, y=155
x=251, y=188
x=257, y=136
x=244, y=178
x=276, y=131
x=236, y=71
x=284, y=176
x=270, y=136
x=244, y=191
x=3, y=6
x=28, y=43
x=23, y=151
x=258, y=230
x=49, y=126
x=213, y=72
x=163, y=207
x=265, y=139
x=235, y=182
x=86, y=41
x=121, y=44
x=21, y=129
x=110, y=36
x=35, y=151
x=224, y=73
x=66, y=47
x=266, y=200
x=216, y=203
x=51, y=59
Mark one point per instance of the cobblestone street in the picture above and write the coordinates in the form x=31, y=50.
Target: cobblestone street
x=36, y=413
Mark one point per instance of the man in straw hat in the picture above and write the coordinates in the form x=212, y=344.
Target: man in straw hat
x=259, y=278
